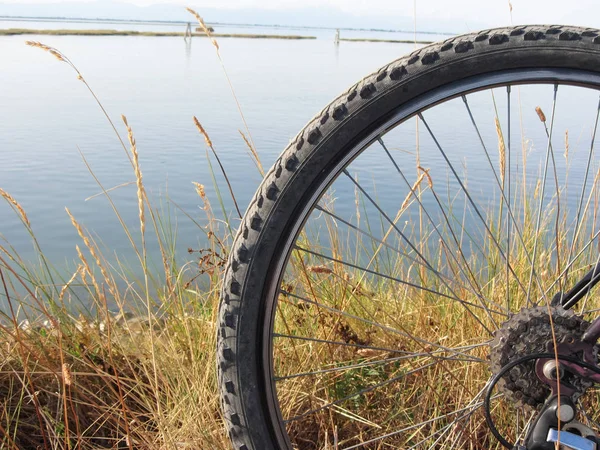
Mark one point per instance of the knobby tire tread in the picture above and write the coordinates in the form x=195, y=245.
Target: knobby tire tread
x=364, y=103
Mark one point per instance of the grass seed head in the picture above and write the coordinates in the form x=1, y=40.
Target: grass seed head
x=204, y=27
x=68, y=283
x=66, y=373
x=37, y=44
x=319, y=269
x=540, y=114
x=203, y=132
x=202, y=194
x=501, y=149
x=200, y=190
x=10, y=199
x=412, y=191
x=254, y=153
x=57, y=55
x=54, y=52
x=426, y=172
x=138, y=174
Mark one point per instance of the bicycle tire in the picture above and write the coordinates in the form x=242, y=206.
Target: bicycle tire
x=273, y=214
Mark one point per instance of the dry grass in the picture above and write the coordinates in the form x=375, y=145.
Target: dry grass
x=212, y=36
x=99, y=380
x=134, y=369
x=317, y=288
x=77, y=387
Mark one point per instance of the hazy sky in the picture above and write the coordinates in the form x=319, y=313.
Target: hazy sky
x=464, y=12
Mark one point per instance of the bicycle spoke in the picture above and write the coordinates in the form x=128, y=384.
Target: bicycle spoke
x=407, y=283
x=466, y=409
x=521, y=435
x=472, y=202
x=369, y=364
x=441, y=431
x=412, y=246
x=358, y=393
x=465, y=418
x=572, y=261
x=589, y=288
x=402, y=333
x=390, y=221
x=470, y=276
x=340, y=343
x=402, y=254
x=508, y=187
x=541, y=203
x=505, y=200
x=583, y=188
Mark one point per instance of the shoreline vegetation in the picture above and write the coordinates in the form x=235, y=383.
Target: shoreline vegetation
x=87, y=365
x=65, y=32
x=394, y=41
x=218, y=23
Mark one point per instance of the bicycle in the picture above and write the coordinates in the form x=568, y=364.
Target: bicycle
x=406, y=277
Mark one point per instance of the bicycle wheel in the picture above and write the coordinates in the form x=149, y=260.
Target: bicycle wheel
x=403, y=248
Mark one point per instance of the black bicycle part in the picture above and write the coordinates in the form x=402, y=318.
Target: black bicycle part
x=459, y=66
x=508, y=367
x=580, y=289
x=546, y=419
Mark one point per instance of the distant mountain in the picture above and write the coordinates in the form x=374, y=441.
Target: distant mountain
x=326, y=17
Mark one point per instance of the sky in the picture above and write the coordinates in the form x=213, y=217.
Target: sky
x=466, y=13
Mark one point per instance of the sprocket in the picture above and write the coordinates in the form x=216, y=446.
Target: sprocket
x=525, y=333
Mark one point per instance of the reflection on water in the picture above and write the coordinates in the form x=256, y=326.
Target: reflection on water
x=188, y=52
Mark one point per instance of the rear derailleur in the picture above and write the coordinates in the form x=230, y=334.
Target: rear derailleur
x=534, y=372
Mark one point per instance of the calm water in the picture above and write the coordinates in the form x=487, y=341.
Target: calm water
x=47, y=117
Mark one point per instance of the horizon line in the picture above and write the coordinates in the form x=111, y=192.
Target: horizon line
x=151, y=21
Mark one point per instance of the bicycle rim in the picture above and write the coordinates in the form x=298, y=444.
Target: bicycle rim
x=348, y=348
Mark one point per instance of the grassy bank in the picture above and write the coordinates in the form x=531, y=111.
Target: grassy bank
x=64, y=32
x=395, y=41
x=77, y=373
x=88, y=364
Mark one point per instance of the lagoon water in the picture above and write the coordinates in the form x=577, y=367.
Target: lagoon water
x=47, y=118
x=49, y=122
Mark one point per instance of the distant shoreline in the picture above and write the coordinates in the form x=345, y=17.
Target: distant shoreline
x=25, y=31
x=395, y=41
x=177, y=22
x=60, y=32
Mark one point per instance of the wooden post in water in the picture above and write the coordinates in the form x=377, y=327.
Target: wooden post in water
x=336, y=39
x=188, y=32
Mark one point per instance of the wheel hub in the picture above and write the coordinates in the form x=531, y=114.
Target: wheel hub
x=528, y=332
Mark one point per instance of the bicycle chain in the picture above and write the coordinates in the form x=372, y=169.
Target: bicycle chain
x=527, y=332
